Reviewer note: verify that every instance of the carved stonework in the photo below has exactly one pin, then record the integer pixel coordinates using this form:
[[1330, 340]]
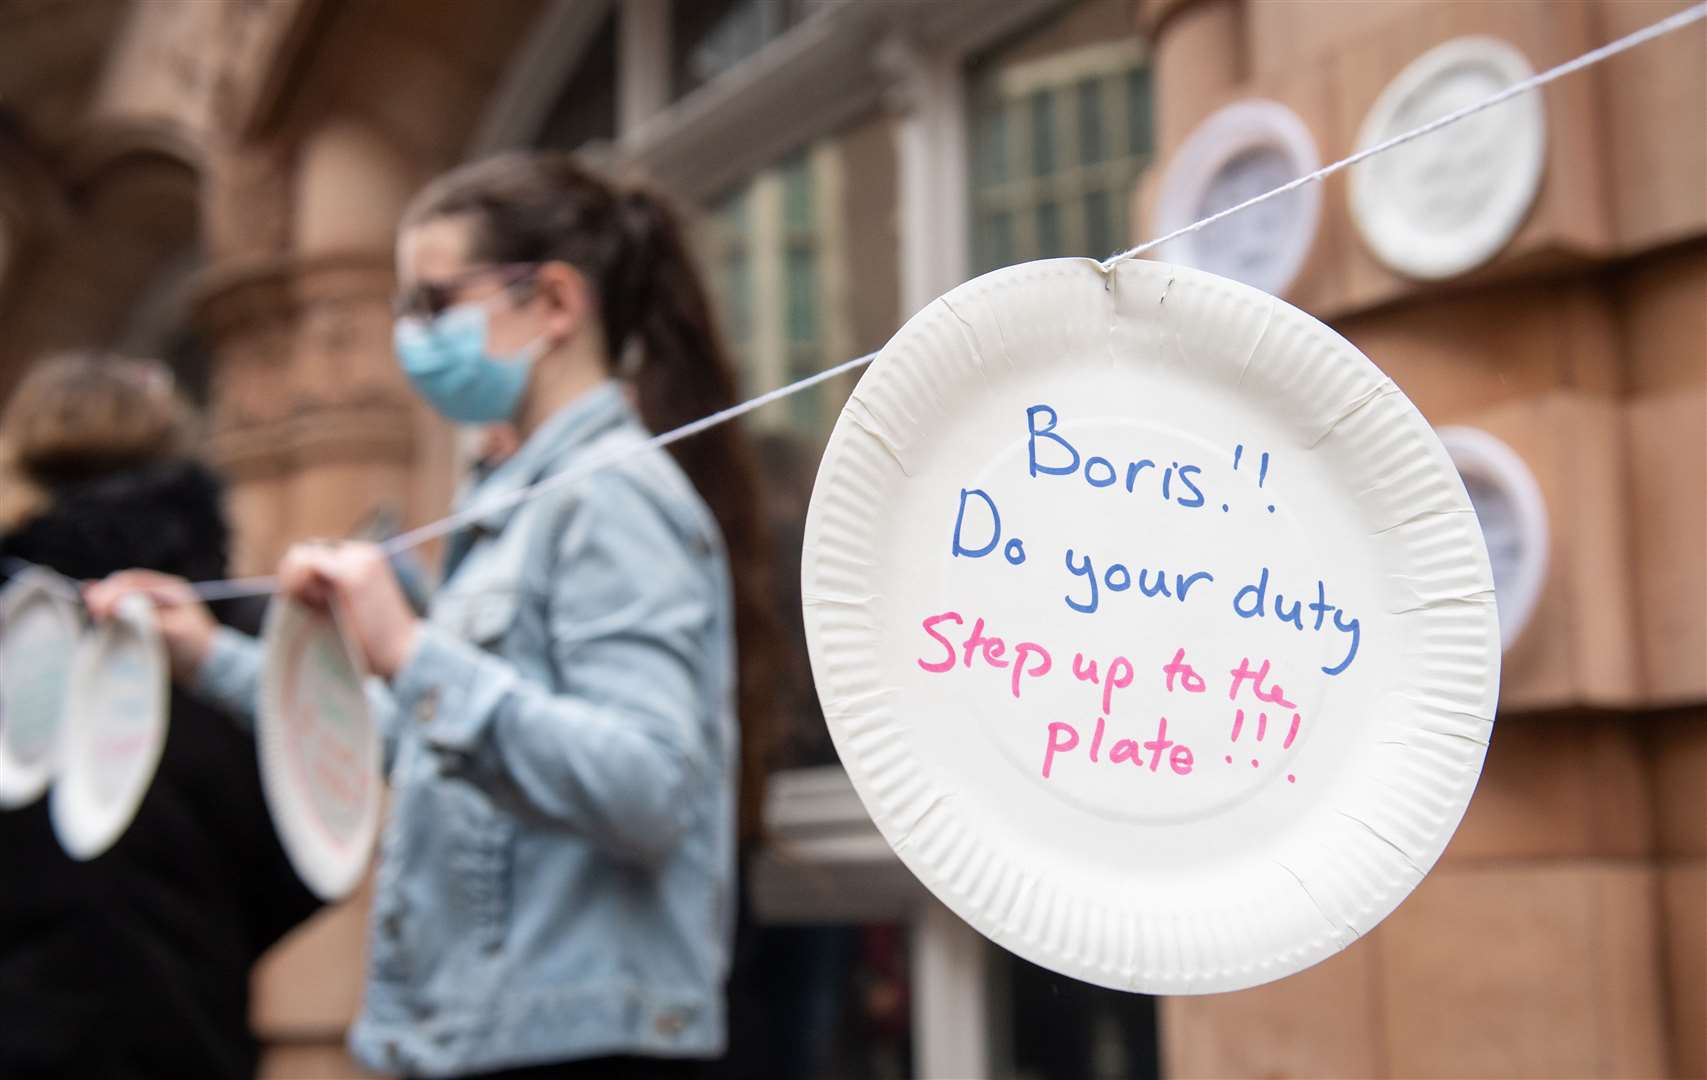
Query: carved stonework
[[163, 68], [343, 342], [32, 200], [246, 209], [373, 432], [258, 42], [303, 369], [246, 316], [252, 377]]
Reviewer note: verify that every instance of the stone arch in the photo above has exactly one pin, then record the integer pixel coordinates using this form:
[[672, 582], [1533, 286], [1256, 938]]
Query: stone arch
[[115, 141], [110, 269], [32, 202]]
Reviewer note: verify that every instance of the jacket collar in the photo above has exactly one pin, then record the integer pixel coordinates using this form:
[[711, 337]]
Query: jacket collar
[[547, 451]]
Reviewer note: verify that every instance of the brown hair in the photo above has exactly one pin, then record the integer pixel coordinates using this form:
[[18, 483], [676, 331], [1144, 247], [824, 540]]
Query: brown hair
[[629, 244], [78, 416]]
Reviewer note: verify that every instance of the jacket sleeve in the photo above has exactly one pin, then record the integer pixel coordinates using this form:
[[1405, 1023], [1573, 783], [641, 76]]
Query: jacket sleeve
[[230, 680], [619, 751], [230, 676]]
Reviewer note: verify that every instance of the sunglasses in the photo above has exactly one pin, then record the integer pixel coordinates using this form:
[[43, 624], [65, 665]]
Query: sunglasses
[[429, 299]]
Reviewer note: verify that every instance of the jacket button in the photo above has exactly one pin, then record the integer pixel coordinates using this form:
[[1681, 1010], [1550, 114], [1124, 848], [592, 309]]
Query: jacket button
[[670, 1023], [391, 924], [426, 706]]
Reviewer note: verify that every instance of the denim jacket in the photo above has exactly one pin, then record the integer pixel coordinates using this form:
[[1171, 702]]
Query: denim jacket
[[556, 876]]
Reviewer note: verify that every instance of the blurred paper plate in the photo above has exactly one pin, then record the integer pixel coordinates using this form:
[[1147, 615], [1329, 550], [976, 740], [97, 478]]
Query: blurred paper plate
[[319, 749], [1031, 784], [1454, 198], [1239, 152], [1513, 515], [115, 730], [38, 633]]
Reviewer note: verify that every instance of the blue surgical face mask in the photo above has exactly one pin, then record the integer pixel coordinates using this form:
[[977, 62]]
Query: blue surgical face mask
[[447, 361]]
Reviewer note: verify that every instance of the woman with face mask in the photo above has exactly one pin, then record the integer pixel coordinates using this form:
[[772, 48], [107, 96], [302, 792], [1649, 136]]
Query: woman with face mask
[[556, 887]]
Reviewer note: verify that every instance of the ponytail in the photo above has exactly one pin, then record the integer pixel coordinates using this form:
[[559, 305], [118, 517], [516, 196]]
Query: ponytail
[[630, 246], [660, 306]]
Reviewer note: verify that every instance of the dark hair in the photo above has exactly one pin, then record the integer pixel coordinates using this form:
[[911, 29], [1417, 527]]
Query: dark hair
[[78, 416], [629, 245]]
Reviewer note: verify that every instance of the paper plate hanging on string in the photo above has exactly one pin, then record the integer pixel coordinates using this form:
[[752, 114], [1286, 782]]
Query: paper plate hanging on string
[[1513, 516], [1241, 151], [115, 730], [38, 632], [319, 749], [1151, 622], [1449, 201]]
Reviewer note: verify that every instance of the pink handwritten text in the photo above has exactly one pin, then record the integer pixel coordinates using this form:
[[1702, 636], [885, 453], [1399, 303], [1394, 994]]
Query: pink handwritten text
[[955, 645], [991, 648], [1064, 737]]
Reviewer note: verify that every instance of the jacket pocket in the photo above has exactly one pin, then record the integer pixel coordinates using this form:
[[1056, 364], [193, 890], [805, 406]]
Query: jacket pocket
[[481, 613], [488, 617], [481, 858], [388, 945]]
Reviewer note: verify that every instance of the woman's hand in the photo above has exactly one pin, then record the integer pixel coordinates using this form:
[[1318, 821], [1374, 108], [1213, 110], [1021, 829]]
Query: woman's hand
[[357, 578], [186, 626]]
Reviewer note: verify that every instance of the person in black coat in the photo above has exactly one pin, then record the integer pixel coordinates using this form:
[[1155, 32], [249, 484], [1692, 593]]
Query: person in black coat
[[135, 963]]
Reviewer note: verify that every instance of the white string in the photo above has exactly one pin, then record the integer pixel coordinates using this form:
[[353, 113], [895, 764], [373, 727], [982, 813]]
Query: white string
[[260, 586], [233, 588], [51, 580], [593, 464], [1593, 56]]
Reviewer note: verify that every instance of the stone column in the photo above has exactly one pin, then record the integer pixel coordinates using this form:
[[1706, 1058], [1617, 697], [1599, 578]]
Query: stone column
[[318, 428], [1196, 56], [356, 432], [247, 315], [243, 308], [312, 421], [352, 432]]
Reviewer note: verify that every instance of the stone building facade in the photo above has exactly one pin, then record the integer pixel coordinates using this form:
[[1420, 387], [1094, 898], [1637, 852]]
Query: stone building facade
[[1561, 933], [218, 182]]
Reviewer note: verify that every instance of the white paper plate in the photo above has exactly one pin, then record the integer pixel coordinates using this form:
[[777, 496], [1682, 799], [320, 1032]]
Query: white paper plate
[[38, 632], [1249, 855], [1513, 516], [1449, 201], [319, 749], [115, 730], [1238, 153]]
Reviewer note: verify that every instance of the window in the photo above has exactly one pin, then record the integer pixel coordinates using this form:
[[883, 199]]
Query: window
[[711, 36], [773, 257], [1058, 142], [732, 274], [1064, 1028], [833, 983], [801, 285]]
